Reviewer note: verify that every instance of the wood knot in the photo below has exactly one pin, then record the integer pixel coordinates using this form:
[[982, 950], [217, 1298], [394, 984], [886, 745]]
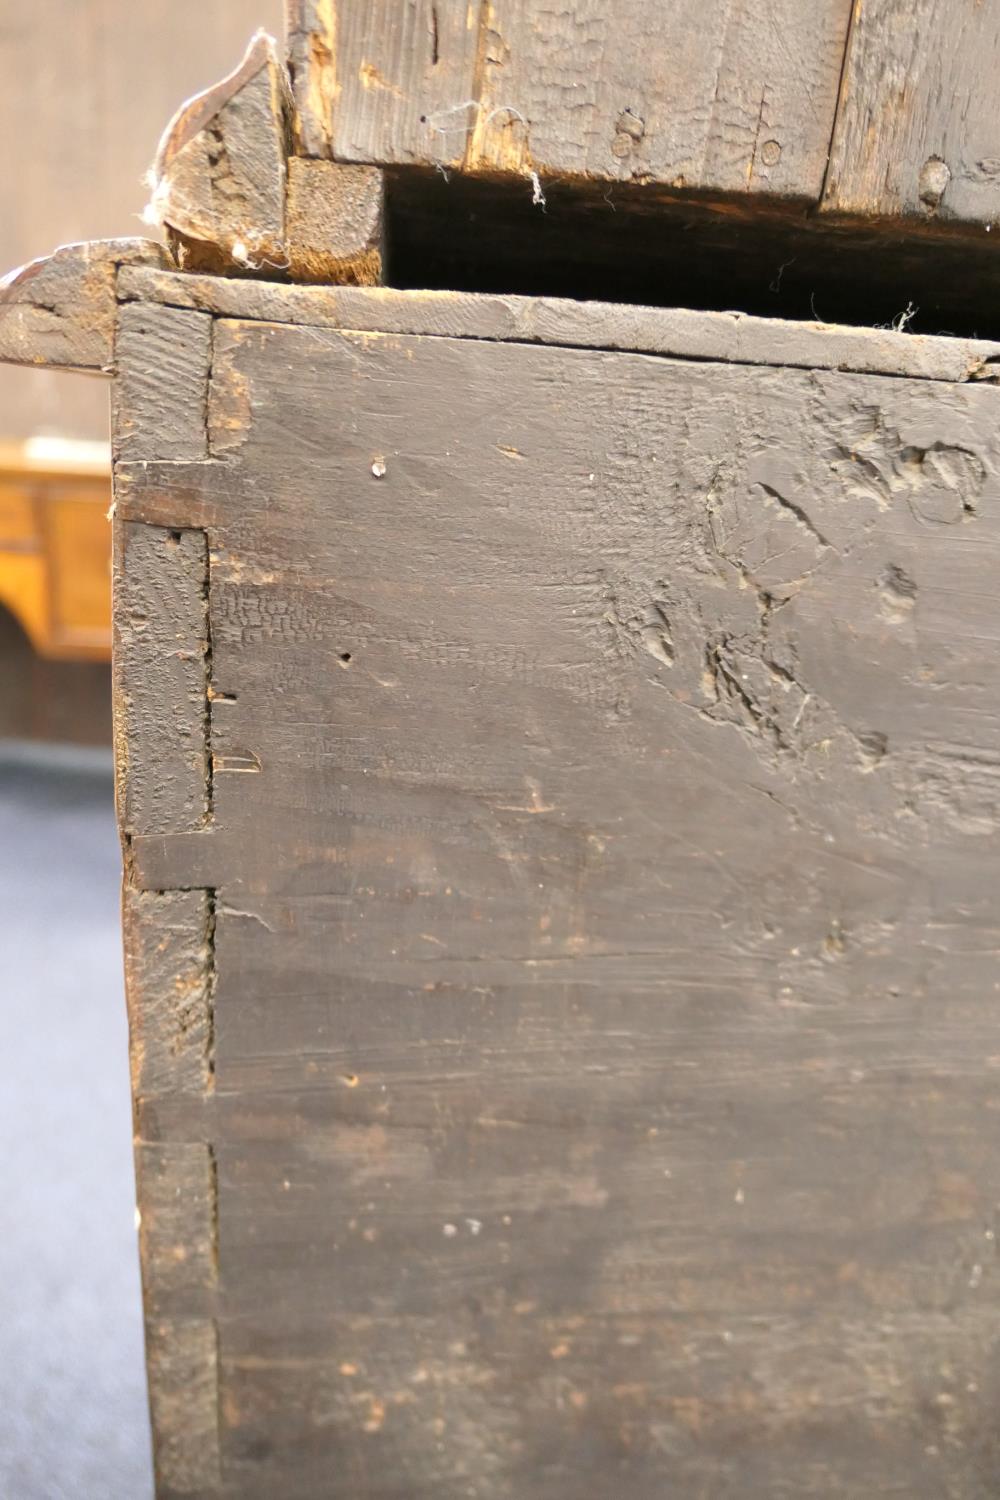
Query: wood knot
[[629, 130], [935, 176]]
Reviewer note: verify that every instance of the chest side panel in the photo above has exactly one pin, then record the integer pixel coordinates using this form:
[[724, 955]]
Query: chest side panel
[[602, 839]]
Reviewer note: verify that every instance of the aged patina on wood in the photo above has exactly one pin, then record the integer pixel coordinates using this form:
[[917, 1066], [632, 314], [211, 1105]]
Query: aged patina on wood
[[558, 780], [739, 99], [601, 858]]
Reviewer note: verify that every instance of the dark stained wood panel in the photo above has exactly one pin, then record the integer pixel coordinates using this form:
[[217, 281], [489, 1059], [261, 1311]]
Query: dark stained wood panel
[[603, 851], [734, 338], [917, 130], [731, 97]]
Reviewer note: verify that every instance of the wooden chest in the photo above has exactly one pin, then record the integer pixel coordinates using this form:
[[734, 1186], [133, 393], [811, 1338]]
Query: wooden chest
[[559, 783]]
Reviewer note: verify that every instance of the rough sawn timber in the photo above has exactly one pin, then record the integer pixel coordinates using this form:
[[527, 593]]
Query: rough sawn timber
[[600, 949], [737, 99], [917, 132], [232, 200], [732, 98], [60, 311], [219, 175], [732, 337]]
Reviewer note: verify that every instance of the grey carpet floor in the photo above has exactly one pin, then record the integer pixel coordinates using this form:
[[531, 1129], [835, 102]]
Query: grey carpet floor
[[73, 1421]]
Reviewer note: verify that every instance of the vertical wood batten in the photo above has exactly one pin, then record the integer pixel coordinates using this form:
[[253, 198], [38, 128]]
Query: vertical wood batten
[[162, 669], [916, 132], [160, 673]]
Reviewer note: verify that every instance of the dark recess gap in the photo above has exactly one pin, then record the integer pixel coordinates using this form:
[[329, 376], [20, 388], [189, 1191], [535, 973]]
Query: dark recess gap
[[612, 243]]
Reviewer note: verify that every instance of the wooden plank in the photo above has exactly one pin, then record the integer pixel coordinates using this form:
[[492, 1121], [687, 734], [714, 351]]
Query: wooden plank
[[368, 50], [169, 967], [310, 37], [160, 673], [182, 1360], [735, 338], [604, 822], [176, 1184], [177, 1232], [60, 311], [159, 401], [722, 97], [915, 132], [181, 861], [334, 222]]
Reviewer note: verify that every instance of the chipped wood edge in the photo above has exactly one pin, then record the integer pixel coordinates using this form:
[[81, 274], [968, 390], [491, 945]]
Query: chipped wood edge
[[676, 333], [234, 199], [311, 33], [218, 178], [197, 112], [59, 311]]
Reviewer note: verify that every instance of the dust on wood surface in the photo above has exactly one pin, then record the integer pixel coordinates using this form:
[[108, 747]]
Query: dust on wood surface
[[736, 338], [219, 175], [558, 790], [233, 200]]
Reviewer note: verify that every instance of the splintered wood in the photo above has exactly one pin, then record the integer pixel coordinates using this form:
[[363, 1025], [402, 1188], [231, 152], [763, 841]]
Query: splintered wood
[[231, 200], [60, 311]]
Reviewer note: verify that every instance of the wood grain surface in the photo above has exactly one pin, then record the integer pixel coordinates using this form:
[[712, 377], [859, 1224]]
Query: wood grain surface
[[601, 838], [60, 311], [218, 182], [734, 338], [730, 97], [917, 133], [737, 99]]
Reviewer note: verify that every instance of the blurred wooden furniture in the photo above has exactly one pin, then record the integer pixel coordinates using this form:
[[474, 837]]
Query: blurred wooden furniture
[[55, 545], [55, 590]]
